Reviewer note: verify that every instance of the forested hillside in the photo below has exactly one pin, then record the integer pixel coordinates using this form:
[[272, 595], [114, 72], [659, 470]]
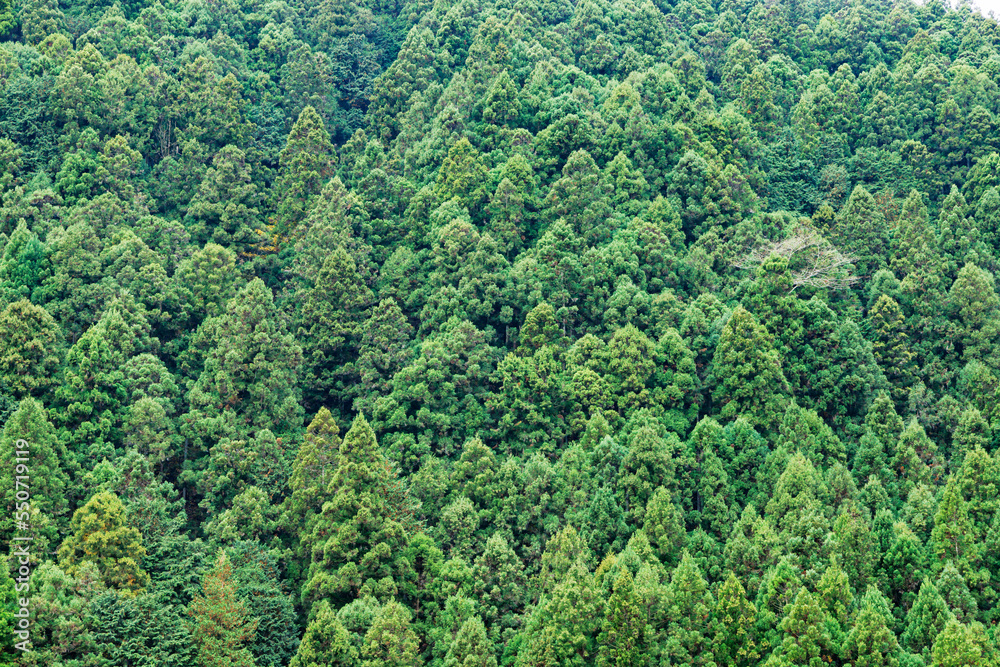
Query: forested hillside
[[470, 333]]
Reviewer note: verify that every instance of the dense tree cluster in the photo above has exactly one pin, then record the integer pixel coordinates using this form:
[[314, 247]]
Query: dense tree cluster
[[526, 333]]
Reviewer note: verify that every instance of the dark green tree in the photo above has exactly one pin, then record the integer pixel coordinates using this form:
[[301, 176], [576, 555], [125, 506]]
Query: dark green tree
[[357, 543], [747, 369], [306, 164], [49, 464]]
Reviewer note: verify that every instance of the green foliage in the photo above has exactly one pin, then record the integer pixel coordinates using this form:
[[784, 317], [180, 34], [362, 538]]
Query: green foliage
[[356, 544], [221, 626], [736, 642], [100, 536], [390, 640], [748, 372], [305, 166], [702, 292], [47, 462], [805, 640], [325, 641], [248, 341]]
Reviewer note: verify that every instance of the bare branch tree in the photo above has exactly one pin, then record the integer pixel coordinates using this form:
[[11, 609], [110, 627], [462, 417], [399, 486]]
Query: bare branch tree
[[813, 261]]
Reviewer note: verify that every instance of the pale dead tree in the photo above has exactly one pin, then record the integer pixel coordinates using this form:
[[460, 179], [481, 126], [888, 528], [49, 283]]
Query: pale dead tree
[[813, 261]]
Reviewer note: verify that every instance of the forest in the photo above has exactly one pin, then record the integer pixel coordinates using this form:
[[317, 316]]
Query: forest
[[499, 333]]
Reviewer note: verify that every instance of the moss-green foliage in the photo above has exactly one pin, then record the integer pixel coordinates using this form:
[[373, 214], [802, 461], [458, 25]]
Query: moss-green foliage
[[501, 333]]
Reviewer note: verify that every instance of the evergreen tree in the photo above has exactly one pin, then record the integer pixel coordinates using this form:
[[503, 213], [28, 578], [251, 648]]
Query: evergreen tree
[[31, 350], [926, 619], [890, 345], [357, 541], [384, 349], [977, 309], [92, 395], [953, 534], [861, 231], [312, 472], [138, 630], [664, 526], [953, 588], [805, 639], [960, 644], [736, 641], [463, 176], [562, 628], [306, 164], [870, 641], [623, 633], [325, 642], [245, 344], [47, 461], [390, 640], [748, 373], [100, 535], [331, 317], [470, 647], [220, 625], [689, 605]]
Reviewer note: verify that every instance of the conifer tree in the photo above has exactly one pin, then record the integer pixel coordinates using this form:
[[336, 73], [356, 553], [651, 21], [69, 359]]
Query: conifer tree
[[664, 526], [960, 644], [31, 349], [871, 643], [623, 633], [470, 647], [748, 373], [580, 198], [48, 461], [953, 588], [92, 396], [805, 640], [562, 628], [245, 345], [914, 244], [562, 551], [384, 349], [391, 641], [509, 217], [306, 165], [100, 535], [312, 471], [206, 282], [220, 625], [226, 205], [331, 317], [689, 604], [463, 175], [977, 309], [736, 641], [953, 534], [861, 231], [357, 542], [926, 619], [499, 583], [890, 345], [325, 642], [903, 567], [835, 598], [23, 264]]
